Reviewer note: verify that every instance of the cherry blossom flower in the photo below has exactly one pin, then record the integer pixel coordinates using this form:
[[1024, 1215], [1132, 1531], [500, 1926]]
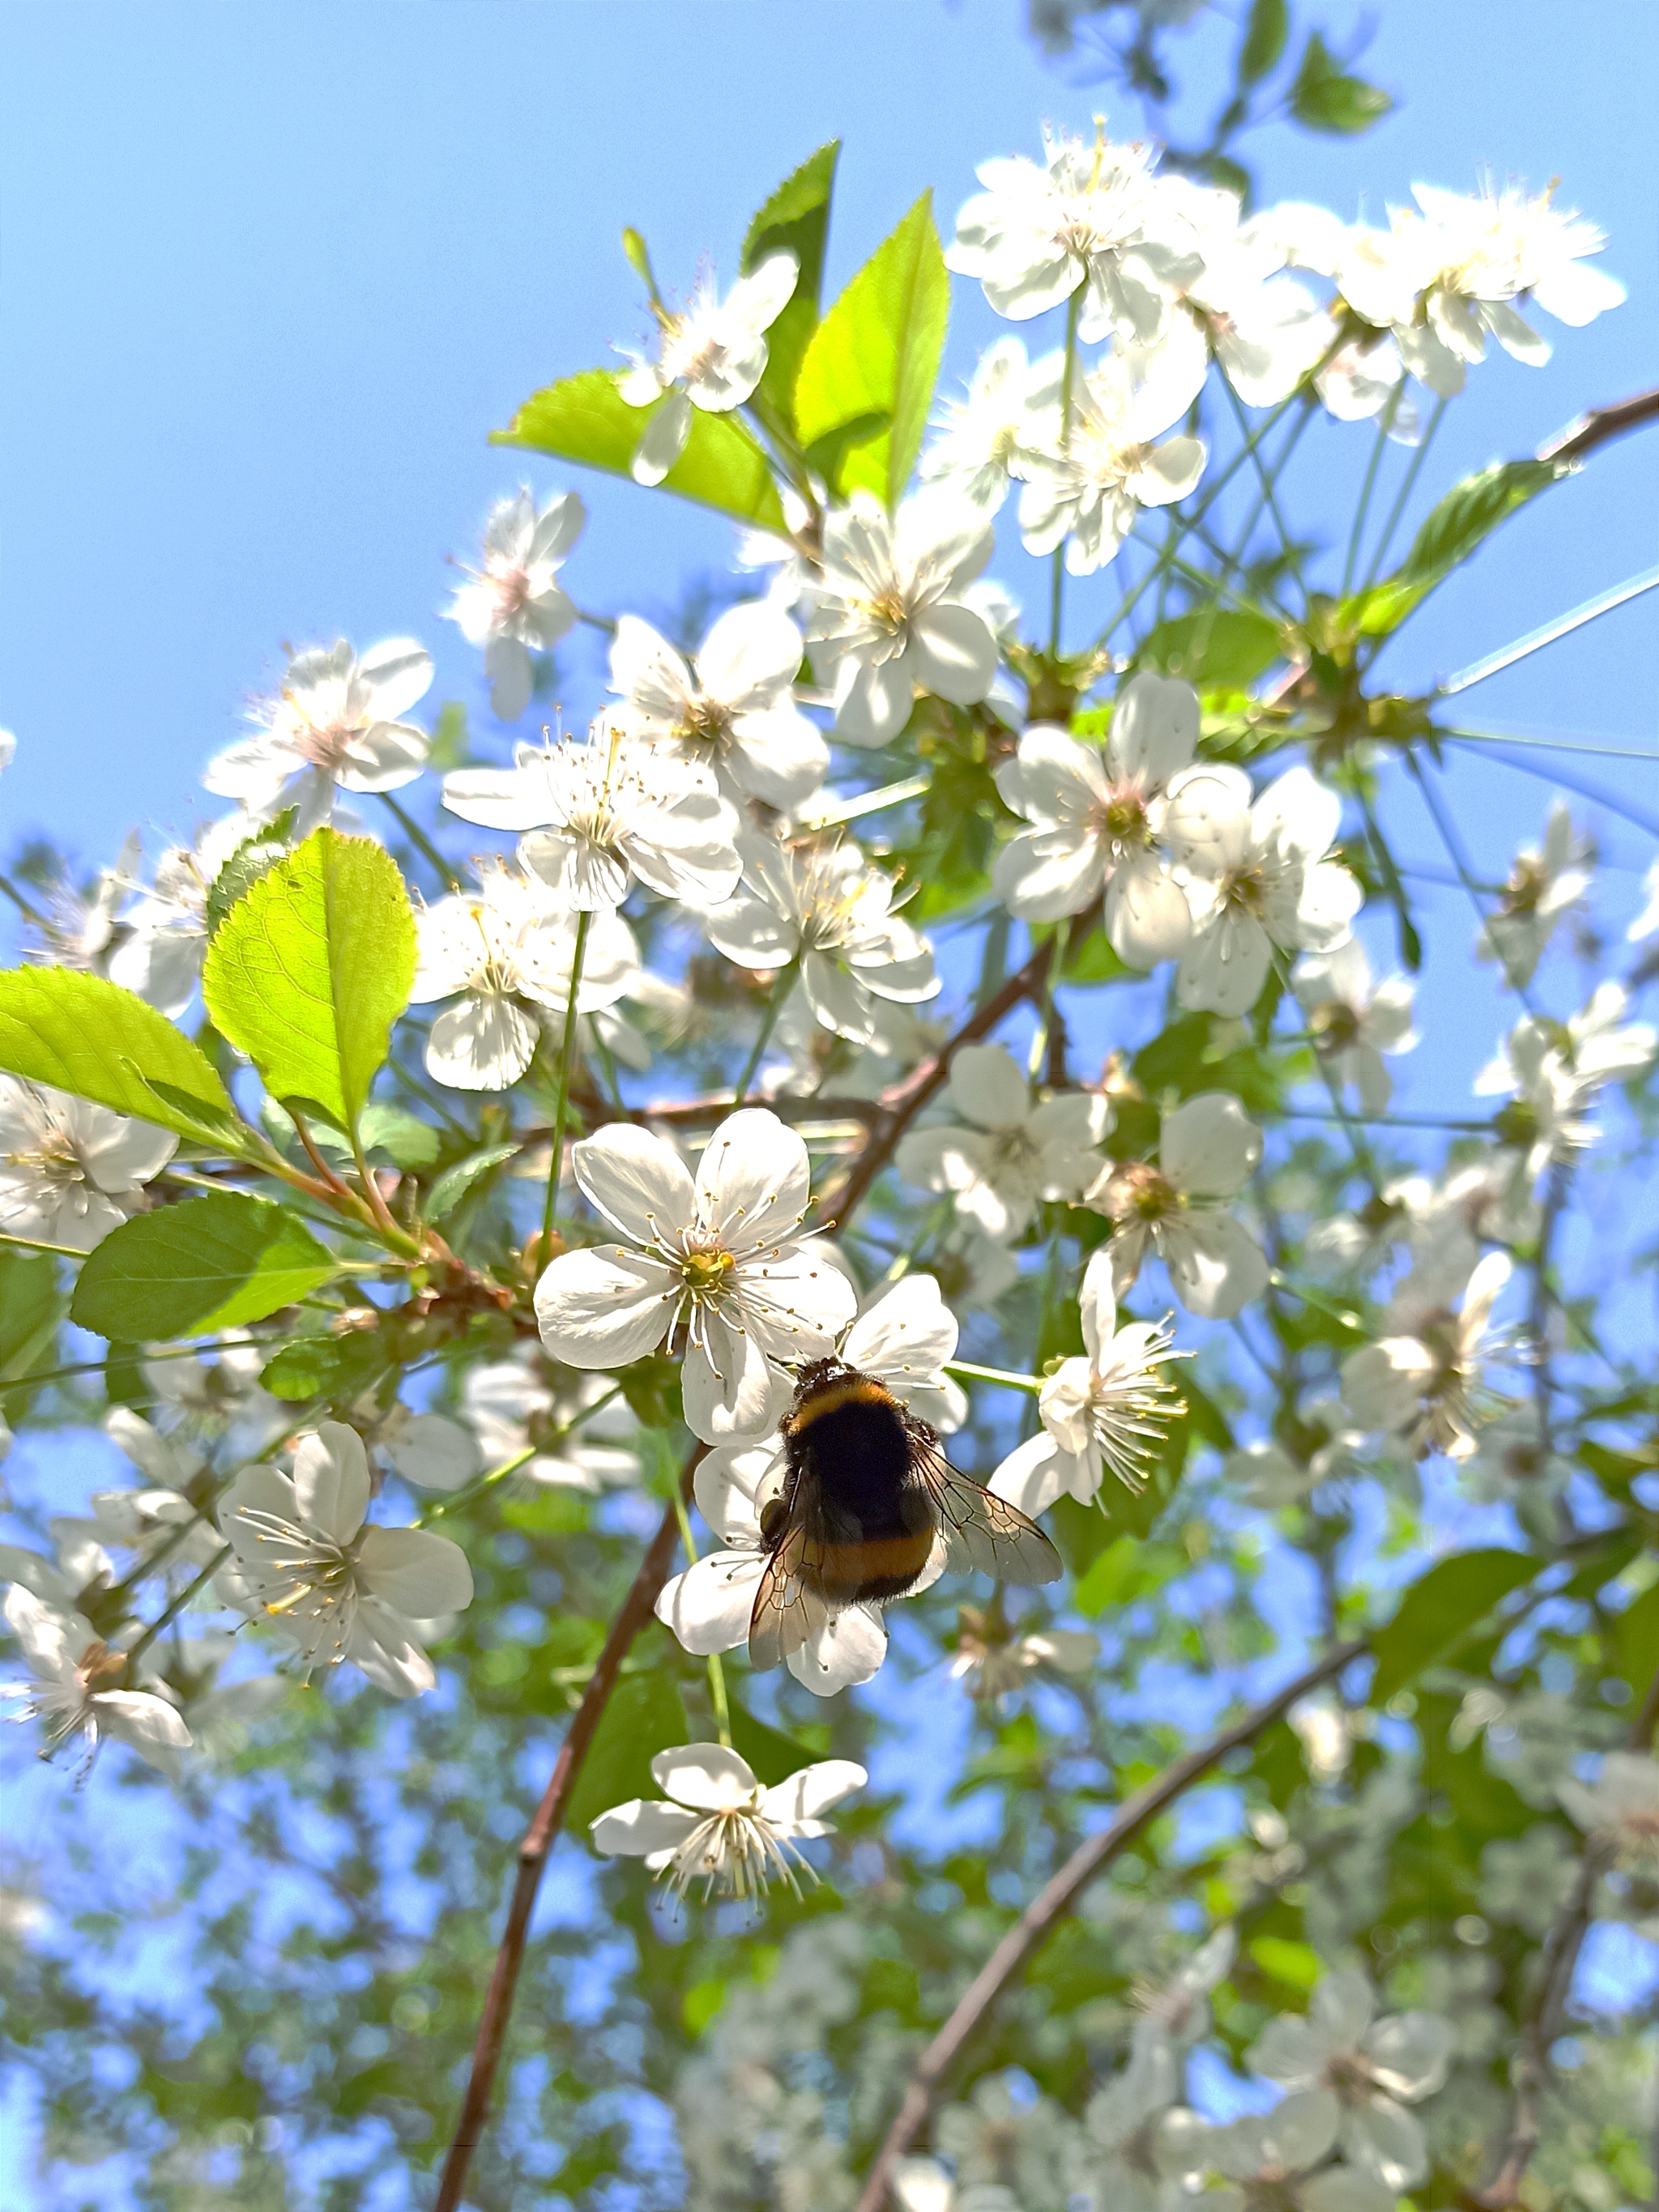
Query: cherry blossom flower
[[1364, 380], [600, 813], [307, 1566], [1103, 466], [889, 618], [710, 356], [1095, 821], [514, 606], [1619, 1808], [984, 439], [1208, 1150], [78, 928], [1544, 885], [506, 951], [733, 711], [1553, 1071], [1270, 1477], [1145, 2151], [1371, 2067], [1268, 330], [991, 1659], [904, 1339], [511, 1406], [716, 1258], [1259, 876], [73, 1691], [335, 723], [71, 1171], [1011, 1154], [923, 2185], [1353, 1025], [825, 907], [165, 931], [1646, 923], [1279, 2158], [1087, 215], [720, 1826], [1106, 1411], [1422, 1384]]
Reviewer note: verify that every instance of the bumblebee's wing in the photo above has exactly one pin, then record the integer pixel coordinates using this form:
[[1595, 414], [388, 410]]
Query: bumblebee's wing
[[788, 1610], [980, 1530]]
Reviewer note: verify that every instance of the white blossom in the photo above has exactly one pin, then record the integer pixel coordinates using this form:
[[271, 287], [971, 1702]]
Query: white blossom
[[985, 440], [1208, 1150], [1364, 380], [1086, 215], [1095, 821], [166, 930], [1259, 876], [1352, 1024], [825, 907], [514, 605], [710, 355], [1619, 1808], [1554, 1071], [1102, 464], [71, 1171], [1544, 885], [720, 1826], [1145, 2151], [506, 952], [335, 723], [78, 928], [1106, 1411], [1372, 2068], [716, 1259], [1279, 2158], [307, 1564], [732, 710], [991, 1659], [889, 618], [72, 1691], [1646, 923], [1422, 1385], [1006, 1154], [1266, 330], [600, 813]]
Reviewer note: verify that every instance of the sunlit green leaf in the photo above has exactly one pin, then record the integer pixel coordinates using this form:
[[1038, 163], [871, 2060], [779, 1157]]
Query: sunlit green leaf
[[458, 1182], [1325, 97], [1219, 648], [1438, 1609], [90, 1036], [645, 1715], [796, 217], [186, 1270], [1265, 31]]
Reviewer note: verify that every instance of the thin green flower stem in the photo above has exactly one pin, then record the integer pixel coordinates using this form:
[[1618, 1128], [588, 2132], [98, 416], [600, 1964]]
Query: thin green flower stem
[[100, 1366], [1235, 559], [782, 985], [1356, 537], [1126, 604], [474, 1491], [1345, 1315], [1388, 1120], [1651, 754], [966, 1371], [1286, 542], [1381, 552], [36, 1244], [867, 802], [421, 842], [1362, 1152], [426, 1093], [1057, 585], [566, 1062], [29, 913], [1228, 561], [171, 1612], [1535, 640], [1208, 587], [717, 1697], [1466, 875]]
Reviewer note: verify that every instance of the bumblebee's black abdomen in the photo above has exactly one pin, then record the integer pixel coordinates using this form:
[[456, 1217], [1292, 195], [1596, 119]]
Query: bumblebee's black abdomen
[[859, 1457], [868, 1527]]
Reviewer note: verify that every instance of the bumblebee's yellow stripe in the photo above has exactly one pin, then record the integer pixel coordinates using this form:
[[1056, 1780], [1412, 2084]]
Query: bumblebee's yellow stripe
[[844, 1567], [856, 1390]]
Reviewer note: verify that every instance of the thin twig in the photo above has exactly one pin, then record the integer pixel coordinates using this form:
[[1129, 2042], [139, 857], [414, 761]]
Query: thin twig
[[635, 1612], [1600, 424], [1055, 1898]]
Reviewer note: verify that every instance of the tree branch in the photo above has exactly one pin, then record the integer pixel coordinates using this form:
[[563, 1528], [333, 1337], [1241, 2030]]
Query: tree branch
[[635, 1612], [1056, 1898], [1600, 425]]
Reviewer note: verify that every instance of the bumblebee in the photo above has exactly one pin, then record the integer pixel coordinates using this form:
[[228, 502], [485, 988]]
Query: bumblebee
[[866, 1492]]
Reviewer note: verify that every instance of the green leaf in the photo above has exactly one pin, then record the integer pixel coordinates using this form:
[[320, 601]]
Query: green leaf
[[586, 418], [186, 1270], [1295, 1965], [250, 860], [1636, 1641], [334, 1367], [1439, 1609], [1218, 648], [1457, 525], [311, 967], [405, 1140], [1126, 1571], [796, 216], [90, 1036], [1264, 36], [645, 1715], [867, 380], [1326, 98], [459, 1181], [773, 1755], [31, 1307]]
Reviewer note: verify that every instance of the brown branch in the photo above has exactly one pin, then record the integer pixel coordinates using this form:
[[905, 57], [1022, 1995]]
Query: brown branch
[[637, 1609], [1600, 425], [1560, 1958], [902, 1103], [1056, 1898]]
